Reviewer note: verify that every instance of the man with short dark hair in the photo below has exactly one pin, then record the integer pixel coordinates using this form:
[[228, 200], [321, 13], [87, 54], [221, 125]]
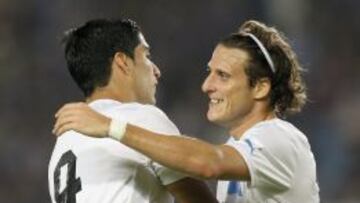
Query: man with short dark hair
[[110, 62], [254, 81]]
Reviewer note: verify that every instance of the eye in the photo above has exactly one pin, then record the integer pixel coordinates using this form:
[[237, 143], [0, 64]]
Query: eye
[[223, 75]]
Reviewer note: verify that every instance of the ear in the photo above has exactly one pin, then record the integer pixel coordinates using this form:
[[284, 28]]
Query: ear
[[122, 62], [262, 88]]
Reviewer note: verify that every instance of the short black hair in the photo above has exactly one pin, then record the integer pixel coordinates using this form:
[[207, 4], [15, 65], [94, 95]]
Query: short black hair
[[90, 48]]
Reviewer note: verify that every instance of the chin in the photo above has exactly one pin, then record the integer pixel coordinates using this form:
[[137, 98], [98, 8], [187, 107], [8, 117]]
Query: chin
[[152, 101], [214, 119], [220, 120], [148, 100]]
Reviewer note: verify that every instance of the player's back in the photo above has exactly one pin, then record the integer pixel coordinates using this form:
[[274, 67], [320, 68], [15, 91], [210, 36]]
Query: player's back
[[90, 170]]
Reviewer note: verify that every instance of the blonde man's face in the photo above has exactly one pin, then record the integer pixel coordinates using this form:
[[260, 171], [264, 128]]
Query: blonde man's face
[[227, 87]]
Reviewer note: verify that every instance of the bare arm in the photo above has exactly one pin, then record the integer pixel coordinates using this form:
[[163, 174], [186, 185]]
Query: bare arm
[[189, 155], [189, 190]]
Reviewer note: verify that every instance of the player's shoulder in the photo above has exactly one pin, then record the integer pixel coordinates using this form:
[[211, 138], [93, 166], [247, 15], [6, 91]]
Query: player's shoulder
[[274, 127], [145, 109], [143, 115], [141, 111], [108, 106], [153, 118], [277, 134]]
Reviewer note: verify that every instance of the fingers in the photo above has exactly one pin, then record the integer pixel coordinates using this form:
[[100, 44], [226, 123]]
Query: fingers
[[64, 113], [69, 107], [81, 118], [66, 127], [66, 116], [62, 123]]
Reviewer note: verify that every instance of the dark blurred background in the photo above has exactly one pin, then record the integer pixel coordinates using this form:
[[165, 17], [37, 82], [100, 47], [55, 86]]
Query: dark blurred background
[[34, 81]]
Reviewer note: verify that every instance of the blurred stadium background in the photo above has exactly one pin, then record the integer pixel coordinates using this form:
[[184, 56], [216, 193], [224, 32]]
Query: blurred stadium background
[[34, 81]]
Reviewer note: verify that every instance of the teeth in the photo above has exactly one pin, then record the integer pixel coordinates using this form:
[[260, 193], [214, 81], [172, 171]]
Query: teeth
[[215, 101]]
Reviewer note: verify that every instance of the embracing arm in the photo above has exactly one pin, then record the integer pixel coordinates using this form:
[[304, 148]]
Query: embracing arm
[[189, 155]]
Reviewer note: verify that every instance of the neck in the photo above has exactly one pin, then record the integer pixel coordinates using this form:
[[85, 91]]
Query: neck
[[250, 120], [108, 92]]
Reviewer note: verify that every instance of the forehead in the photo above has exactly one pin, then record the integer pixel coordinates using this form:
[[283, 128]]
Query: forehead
[[228, 58]]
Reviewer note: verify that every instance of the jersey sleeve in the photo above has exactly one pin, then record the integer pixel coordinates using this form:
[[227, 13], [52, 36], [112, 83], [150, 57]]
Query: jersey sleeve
[[269, 156], [152, 118]]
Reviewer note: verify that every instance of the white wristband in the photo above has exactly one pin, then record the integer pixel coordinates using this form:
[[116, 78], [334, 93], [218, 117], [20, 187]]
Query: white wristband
[[117, 129]]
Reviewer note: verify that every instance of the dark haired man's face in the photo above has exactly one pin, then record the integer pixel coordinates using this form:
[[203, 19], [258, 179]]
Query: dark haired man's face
[[146, 73]]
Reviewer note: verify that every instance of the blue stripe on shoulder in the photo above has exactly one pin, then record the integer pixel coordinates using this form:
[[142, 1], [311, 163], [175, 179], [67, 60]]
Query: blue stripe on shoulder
[[250, 145], [233, 187]]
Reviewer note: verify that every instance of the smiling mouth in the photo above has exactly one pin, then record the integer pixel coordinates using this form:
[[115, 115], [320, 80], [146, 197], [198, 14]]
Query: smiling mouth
[[215, 101]]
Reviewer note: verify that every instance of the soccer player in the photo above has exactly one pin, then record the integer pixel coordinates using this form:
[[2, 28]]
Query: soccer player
[[254, 81], [110, 62]]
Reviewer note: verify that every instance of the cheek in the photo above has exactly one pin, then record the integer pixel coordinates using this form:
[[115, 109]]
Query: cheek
[[141, 83], [147, 80], [144, 74], [239, 102], [144, 85], [147, 73]]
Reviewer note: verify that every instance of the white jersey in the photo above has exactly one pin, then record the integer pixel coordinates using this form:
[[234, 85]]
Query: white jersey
[[91, 170], [281, 165]]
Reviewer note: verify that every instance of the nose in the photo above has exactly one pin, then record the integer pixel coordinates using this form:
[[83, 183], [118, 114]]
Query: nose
[[208, 84], [157, 72]]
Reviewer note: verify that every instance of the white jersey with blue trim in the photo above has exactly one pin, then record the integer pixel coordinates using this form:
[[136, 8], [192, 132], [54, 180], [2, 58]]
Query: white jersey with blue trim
[[91, 170], [281, 165]]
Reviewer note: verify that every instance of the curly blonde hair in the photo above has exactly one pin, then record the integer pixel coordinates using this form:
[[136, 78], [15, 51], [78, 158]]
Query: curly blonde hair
[[288, 91]]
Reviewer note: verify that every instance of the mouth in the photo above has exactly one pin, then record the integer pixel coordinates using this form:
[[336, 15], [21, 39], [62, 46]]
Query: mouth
[[215, 101]]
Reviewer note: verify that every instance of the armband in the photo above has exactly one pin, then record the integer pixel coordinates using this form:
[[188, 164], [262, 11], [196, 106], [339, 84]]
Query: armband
[[117, 129]]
